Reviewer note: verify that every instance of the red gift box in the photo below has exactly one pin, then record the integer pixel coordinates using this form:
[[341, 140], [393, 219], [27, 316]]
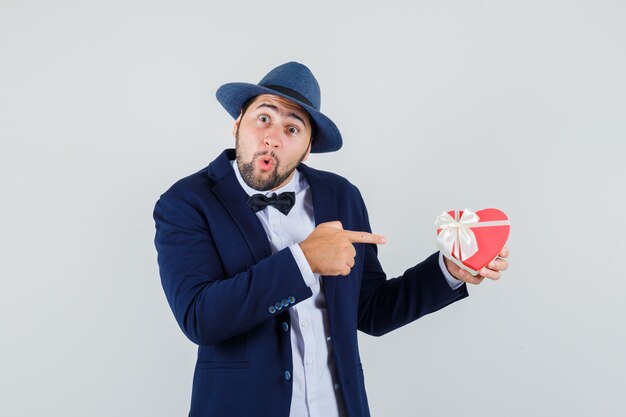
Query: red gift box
[[472, 239]]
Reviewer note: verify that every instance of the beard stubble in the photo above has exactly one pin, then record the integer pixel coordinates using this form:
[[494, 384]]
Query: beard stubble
[[256, 182]]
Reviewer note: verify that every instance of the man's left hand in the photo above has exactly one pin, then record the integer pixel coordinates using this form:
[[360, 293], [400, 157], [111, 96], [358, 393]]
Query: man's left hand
[[491, 271]]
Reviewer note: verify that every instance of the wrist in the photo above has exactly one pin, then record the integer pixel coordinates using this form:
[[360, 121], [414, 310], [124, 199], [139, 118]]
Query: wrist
[[304, 248]]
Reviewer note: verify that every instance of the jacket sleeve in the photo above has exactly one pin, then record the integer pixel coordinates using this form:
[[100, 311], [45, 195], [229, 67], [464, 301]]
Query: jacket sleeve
[[385, 305], [209, 306]]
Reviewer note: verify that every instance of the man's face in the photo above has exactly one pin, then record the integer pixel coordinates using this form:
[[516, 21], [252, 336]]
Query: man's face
[[272, 138]]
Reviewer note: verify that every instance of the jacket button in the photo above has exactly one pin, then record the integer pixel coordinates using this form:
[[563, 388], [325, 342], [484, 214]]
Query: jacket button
[[285, 302], [271, 309], [285, 326], [287, 375], [278, 305], [291, 299]]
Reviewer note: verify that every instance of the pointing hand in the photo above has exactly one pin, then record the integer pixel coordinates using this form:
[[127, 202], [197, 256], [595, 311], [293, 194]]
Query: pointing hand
[[329, 248]]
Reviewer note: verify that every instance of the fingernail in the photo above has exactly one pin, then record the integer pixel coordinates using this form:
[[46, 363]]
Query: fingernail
[[483, 272], [492, 264]]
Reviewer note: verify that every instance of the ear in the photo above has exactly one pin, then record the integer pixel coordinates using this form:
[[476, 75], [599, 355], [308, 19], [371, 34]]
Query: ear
[[236, 125]]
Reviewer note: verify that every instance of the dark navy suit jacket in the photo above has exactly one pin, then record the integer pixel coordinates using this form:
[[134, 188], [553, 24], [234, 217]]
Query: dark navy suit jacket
[[224, 285]]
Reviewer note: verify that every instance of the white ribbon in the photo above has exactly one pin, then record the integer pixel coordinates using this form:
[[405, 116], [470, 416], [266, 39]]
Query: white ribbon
[[456, 237]]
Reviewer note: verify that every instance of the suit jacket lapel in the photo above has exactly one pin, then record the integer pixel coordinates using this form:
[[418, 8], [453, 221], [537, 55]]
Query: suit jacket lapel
[[325, 210], [323, 193], [234, 199]]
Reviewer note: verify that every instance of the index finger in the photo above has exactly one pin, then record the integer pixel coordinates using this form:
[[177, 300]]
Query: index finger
[[364, 237]]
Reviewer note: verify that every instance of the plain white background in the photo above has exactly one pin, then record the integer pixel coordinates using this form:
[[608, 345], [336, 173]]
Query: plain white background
[[442, 104]]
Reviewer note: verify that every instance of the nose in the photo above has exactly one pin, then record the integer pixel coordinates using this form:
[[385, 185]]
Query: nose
[[272, 138]]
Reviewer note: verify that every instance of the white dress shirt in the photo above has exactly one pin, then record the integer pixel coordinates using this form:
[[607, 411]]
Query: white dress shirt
[[314, 378]]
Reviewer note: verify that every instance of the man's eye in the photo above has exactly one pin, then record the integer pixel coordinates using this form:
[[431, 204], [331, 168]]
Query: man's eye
[[293, 129], [264, 119]]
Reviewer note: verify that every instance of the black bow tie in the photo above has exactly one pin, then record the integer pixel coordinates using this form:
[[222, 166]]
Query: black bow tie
[[283, 202]]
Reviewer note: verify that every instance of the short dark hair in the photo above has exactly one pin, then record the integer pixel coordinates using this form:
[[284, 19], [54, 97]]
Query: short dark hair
[[249, 101]]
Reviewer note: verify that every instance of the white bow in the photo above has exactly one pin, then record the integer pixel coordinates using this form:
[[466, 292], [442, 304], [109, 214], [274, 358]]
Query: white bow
[[456, 238]]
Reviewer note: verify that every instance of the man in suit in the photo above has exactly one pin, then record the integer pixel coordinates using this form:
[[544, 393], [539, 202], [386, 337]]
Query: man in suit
[[270, 266]]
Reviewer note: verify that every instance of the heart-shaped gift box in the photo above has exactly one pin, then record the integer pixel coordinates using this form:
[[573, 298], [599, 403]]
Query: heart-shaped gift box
[[472, 239]]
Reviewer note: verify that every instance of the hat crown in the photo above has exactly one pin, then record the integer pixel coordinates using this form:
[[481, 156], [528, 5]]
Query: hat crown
[[295, 80]]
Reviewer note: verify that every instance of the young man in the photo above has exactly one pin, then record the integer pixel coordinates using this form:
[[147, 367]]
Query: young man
[[270, 266]]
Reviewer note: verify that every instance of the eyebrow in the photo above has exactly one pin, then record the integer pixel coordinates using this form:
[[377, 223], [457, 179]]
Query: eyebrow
[[275, 108]]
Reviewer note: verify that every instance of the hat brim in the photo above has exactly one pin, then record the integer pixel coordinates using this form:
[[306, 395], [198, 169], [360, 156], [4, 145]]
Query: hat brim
[[232, 96]]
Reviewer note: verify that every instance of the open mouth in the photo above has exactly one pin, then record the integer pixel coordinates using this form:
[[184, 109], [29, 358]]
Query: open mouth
[[266, 163]]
